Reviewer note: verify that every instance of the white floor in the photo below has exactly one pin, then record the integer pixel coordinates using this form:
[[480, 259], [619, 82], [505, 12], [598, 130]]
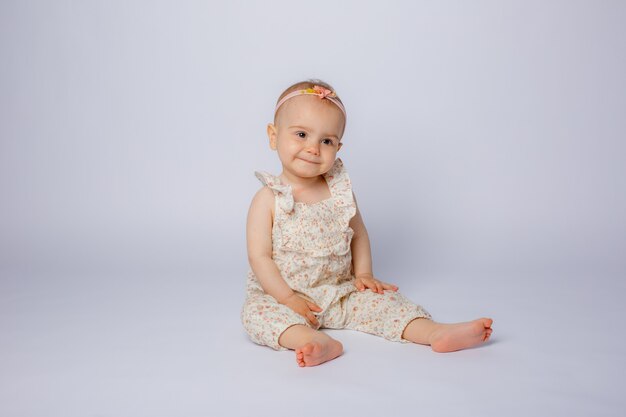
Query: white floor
[[165, 345]]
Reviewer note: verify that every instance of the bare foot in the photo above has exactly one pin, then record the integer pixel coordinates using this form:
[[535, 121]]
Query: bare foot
[[318, 351], [451, 337]]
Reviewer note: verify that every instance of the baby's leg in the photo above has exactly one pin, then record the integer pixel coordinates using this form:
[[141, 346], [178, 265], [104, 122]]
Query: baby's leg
[[312, 346], [395, 317], [448, 337]]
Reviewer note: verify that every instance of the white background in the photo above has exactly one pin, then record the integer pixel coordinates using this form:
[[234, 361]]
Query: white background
[[485, 142]]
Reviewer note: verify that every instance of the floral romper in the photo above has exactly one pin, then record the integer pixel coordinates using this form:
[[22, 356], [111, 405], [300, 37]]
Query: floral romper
[[311, 247]]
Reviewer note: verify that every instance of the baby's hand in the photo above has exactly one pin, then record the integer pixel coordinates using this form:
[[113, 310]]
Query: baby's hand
[[303, 307], [364, 281]]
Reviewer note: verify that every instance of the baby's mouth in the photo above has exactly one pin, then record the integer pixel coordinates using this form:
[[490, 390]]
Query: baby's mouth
[[310, 162]]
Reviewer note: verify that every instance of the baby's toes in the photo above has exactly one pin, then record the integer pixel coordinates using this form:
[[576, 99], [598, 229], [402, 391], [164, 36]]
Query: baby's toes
[[299, 357]]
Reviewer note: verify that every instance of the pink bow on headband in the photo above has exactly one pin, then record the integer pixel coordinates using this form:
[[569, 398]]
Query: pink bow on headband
[[322, 92], [318, 91]]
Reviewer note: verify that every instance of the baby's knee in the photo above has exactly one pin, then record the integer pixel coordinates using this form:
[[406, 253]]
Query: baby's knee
[[265, 320]]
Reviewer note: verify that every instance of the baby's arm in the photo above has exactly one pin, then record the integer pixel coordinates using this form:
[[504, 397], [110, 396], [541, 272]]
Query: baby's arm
[[259, 240], [362, 257]]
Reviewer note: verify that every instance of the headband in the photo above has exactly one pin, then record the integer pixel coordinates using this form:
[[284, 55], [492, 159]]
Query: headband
[[317, 90]]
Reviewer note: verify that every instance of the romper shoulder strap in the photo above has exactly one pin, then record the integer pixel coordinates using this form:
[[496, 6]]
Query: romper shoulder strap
[[282, 192], [341, 187]]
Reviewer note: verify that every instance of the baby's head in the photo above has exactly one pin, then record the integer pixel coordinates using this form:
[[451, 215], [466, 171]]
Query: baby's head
[[307, 88], [309, 122]]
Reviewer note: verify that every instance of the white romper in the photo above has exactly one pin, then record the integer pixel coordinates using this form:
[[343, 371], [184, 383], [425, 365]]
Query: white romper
[[311, 247]]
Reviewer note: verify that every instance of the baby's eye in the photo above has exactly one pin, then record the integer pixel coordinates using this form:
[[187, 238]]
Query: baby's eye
[[301, 134], [328, 142]]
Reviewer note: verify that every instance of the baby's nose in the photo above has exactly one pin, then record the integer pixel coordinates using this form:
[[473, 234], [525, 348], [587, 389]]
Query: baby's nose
[[314, 148]]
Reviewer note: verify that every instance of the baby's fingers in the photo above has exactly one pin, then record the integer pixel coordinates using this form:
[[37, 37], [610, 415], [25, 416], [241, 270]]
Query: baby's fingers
[[359, 285], [389, 286], [312, 319], [314, 306]]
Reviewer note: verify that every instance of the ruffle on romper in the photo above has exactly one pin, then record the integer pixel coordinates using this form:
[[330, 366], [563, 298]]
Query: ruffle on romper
[[331, 236]]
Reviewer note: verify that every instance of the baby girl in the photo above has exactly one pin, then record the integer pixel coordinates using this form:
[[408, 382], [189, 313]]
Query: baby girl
[[309, 250]]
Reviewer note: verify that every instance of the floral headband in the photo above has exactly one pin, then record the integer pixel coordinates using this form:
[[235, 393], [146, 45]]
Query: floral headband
[[317, 90]]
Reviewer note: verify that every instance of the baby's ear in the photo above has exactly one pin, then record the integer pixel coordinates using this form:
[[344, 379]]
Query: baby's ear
[[339, 147], [271, 134]]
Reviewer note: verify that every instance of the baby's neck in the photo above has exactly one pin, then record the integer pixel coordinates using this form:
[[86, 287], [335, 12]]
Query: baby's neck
[[300, 183]]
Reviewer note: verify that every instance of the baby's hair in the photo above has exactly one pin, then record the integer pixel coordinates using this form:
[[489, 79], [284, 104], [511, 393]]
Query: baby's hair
[[301, 85]]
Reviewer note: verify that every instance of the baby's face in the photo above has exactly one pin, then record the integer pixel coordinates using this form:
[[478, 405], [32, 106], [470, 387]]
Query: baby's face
[[307, 135]]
